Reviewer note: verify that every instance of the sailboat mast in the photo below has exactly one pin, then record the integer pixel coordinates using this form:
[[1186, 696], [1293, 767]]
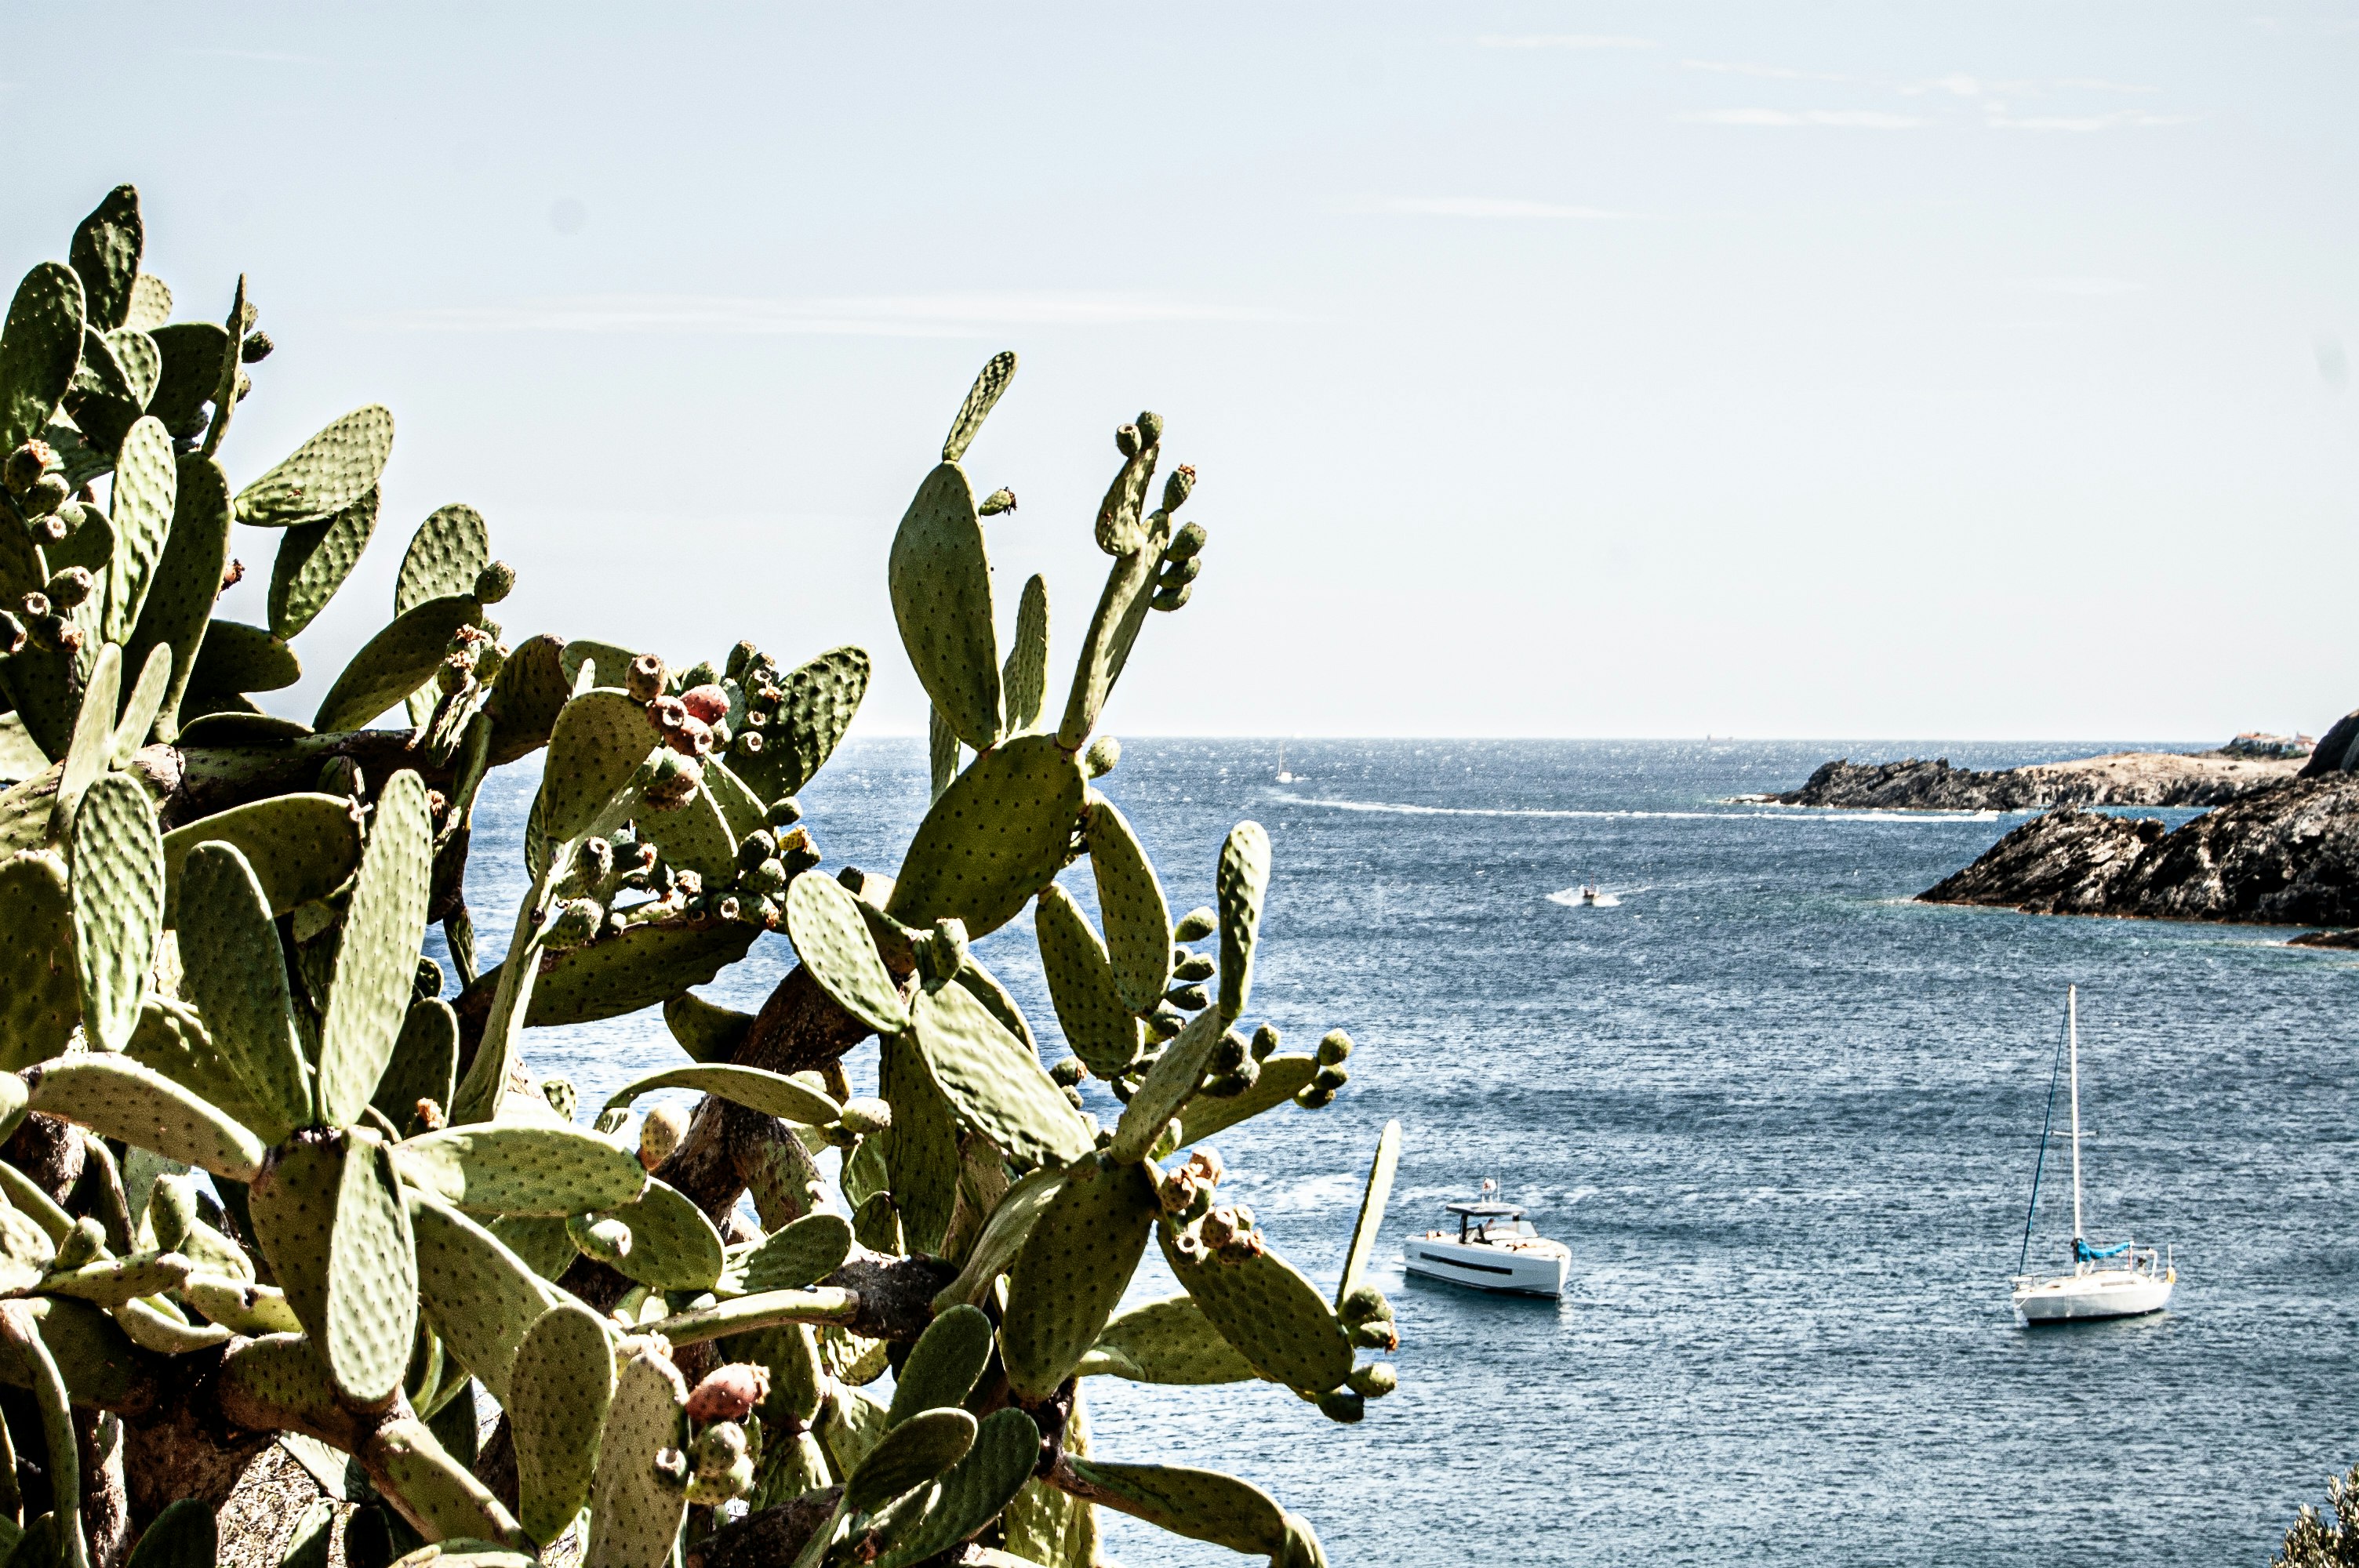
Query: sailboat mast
[[2072, 1026]]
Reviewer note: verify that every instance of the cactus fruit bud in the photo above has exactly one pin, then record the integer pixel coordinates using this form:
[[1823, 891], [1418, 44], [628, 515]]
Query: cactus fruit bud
[[1265, 1042], [1330, 1079], [866, 1117], [942, 952], [1195, 925], [1189, 1247], [756, 847], [1170, 599], [576, 923], [427, 983], [430, 1116], [1103, 755], [785, 812], [1187, 965], [1189, 998], [659, 1133], [1311, 1096], [729, 907], [682, 729], [1186, 543], [342, 775], [27, 464], [494, 582], [47, 494], [69, 587], [255, 349], [728, 1395], [1150, 427], [1333, 1046], [742, 657], [645, 679], [709, 703], [12, 633], [1126, 440], [1164, 1021], [1177, 574], [1177, 486], [593, 863], [1343, 1405], [750, 744], [719, 1446], [85, 1243], [998, 500], [562, 1096], [674, 785], [1068, 1073], [1374, 1380], [1204, 1163], [700, 673], [1072, 1096]]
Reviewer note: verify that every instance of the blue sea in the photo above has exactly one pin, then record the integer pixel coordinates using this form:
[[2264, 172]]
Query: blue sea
[[1786, 1120]]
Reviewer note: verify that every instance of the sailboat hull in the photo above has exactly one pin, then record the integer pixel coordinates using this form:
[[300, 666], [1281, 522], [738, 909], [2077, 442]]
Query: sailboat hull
[[2091, 1297]]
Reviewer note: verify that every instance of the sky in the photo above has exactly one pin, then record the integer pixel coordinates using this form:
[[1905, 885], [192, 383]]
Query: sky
[[1837, 370]]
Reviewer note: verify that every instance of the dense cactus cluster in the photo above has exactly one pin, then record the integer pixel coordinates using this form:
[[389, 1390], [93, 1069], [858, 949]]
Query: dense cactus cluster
[[264, 1181]]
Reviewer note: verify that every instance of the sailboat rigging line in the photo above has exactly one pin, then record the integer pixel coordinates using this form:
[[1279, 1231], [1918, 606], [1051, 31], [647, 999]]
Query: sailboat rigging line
[[2055, 1067]]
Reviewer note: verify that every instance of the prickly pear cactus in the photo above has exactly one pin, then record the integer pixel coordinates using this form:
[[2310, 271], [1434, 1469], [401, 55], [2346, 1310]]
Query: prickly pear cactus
[[343, 1186]]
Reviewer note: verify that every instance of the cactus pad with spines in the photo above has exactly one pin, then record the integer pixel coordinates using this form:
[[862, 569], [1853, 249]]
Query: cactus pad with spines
[[1281, 1080], [1371, 1211], [1104, 1032], [314, 559], [521, 1169], [647, 964], [424, 1065], [325, 475], [450, 549], [236, 975], [757, 1088], [117, 883], [1137, 919], [1071, 1272], [1241, 884], [376, 962], [831, 936], [120, 1099], [816, 704], [38, 352], [798, 1255], [1166, 1341], [235, 658], [146, 485], [93, 737], [673, 1246], [941, 577], [921, 1149], [634, 1509], [558, 1394], [299, 847], [1024, 679], [372, 1304], [395, 663], [991, 1083], [598, 742], [187, 579], [944, 1365], [106, 256], [1167, 1086], [1202, 1504], [140, 709], [39, 992], [1005, 1449], [995, 838], [476, 1293], [1276, 1318], [907, 1456], [989, 384]]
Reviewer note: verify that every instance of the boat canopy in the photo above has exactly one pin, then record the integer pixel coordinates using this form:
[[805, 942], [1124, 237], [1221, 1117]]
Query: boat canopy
[[2084, 1253], [1486, 1210]]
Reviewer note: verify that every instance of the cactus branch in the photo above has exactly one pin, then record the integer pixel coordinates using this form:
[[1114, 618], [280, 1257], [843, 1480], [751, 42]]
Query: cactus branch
[[21, 1331]]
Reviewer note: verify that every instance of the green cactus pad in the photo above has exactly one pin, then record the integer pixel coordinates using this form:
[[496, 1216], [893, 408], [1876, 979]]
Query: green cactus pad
[[105, 256], [706, 1031], [647, 964], [1167, 1086], [1239, 886], [323, 476], [611, 660], [446, 554], [517, 1168], [170, 1040], [328, 1214], [943, 1365], [993, 839], [816, 702], [93, 737], [1276, 1318], [111, 1282], [757, 1088], [1002, 1238], [1107, 641], [1101, 1030], [635, 1509], [183, 1536], [673, 1246], [236, 975], [941, 753], [27, 1252], [1071, 1272], [907, 1456], [477, 1294], [395, 663], [1371, 1211], [941, 578], [39, 992], [1166, 1341], [981, 398], [105, 399], [425, 1064], [1025, 677], [525, 698], [242, 1306], [118, 905], [799, 1255], [192, 355], [314, 559], [1005, 1451], [1282, 1079], [831, 936], [147, 488], [1138, 920], [741, 808], [1202, 1504], [694, 837], [301, 847], [597, 743], [559, 1393], [376, 962], [120, 1099], [38, 352], [991, 1083], [140, 709], [922, 1148], [151, 303], [187, 580], [543, 1243]]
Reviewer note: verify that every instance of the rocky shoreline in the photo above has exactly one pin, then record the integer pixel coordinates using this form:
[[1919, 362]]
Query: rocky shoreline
[[2120, 778], [2284, 854]]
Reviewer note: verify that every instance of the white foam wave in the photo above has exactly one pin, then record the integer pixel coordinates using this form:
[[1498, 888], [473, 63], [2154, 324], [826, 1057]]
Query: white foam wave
[[1572, 898], [1787, 814]]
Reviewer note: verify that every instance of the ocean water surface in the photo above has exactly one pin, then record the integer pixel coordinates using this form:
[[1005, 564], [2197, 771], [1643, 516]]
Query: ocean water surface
[[1784, 1118]]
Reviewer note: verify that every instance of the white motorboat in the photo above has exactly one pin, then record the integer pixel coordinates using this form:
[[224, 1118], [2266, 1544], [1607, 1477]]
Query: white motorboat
[[2120, 1280], [1494, 1248]]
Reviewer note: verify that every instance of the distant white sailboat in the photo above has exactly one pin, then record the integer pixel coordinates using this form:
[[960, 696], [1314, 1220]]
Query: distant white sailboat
[[1282, 776], [2120, 1280]]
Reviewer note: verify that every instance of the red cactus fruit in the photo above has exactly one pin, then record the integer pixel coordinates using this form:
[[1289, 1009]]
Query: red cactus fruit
[[709, 703], [729, 1393]]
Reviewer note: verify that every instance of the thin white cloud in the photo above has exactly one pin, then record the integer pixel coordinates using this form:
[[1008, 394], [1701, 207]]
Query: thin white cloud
[[1463, 207], [895, 316], [1750, 68], [1998, 120], [2081, 287], [1562, 41], [1855, 119]]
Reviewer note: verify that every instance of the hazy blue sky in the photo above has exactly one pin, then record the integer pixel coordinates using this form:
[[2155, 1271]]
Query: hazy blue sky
[[1858, 370]]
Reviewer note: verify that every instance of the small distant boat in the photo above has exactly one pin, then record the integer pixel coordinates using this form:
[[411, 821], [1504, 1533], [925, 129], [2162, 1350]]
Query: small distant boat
[[1495, 1248], [2120, 1280], [1282, 776]]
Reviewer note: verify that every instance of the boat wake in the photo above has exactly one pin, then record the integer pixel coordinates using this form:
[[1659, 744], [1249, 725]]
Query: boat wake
[[1787, 814], [1599, 898]]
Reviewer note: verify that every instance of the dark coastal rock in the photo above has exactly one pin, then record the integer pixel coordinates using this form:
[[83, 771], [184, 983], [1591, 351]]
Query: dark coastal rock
[[1916, 785], [2333, 753], [2285, 856], [2122, 778]]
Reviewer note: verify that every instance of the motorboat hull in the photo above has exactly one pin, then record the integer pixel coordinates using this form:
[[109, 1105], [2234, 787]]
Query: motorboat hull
[[1520, 1271], [2093, 1297]]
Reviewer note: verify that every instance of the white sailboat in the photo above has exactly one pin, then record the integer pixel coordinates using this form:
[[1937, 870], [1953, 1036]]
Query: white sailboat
[[2120, 1280], [1282, 776]]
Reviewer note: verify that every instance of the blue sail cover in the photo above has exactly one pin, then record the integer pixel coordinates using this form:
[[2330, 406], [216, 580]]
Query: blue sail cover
[[2084, 1253]]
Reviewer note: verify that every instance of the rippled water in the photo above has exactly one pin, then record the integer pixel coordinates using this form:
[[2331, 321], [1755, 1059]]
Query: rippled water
[[1784, 1119]]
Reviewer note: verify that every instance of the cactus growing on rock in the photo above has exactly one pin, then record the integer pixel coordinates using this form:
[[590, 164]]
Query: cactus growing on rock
[[344, 1206]]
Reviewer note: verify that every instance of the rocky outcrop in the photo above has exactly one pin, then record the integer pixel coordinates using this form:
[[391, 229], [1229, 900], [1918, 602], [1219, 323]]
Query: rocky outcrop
[[2287, 854], [2120, 778]]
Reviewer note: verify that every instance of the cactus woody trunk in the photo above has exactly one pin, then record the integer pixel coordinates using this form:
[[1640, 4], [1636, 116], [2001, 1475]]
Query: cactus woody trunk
[[346, 1209]]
